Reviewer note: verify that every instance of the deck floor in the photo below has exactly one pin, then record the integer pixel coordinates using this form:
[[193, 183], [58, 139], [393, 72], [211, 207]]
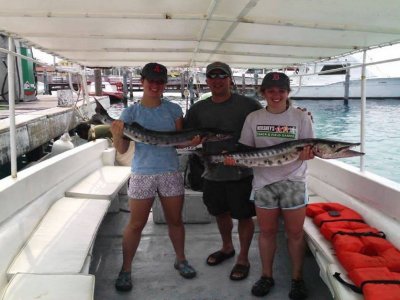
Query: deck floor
[[154, 276]]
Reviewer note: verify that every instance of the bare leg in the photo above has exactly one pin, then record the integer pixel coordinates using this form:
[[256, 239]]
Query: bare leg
[[294, 220], [172, 207], [225, 226], [246, 232], [268, 222], [140, 210]]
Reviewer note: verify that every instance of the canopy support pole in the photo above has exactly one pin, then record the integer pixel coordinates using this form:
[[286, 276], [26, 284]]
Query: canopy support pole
[[11, 103], [363, 108]]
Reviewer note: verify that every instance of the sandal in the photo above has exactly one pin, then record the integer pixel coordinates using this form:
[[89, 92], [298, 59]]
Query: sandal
[[185, 270], [262, 286], [124, 282], [298, 290], [239, 272], [218, 257]]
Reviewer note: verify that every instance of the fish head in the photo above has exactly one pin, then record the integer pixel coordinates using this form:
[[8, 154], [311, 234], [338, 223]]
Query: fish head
[[335, 149], [98, 119], [215, 135], [218, 137]]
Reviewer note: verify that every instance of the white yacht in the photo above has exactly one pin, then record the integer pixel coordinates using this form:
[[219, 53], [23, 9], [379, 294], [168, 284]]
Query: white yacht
[[330, 80]]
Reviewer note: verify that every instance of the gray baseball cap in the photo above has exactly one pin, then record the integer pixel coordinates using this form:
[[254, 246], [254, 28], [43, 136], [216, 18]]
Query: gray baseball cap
[[219, 66]]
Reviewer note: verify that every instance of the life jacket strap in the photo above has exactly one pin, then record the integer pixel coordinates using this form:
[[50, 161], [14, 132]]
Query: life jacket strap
[[357, 289], [379, 234], [341, 220]]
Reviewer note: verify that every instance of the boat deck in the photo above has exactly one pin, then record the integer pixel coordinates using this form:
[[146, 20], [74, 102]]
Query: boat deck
[[154, 276]]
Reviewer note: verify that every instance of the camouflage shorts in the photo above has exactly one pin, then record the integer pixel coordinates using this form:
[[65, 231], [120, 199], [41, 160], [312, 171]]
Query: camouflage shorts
[[146, 186], [284, 194]]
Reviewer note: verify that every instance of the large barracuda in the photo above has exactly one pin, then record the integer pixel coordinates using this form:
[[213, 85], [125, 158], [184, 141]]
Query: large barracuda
[[138, 133], [286, 152]]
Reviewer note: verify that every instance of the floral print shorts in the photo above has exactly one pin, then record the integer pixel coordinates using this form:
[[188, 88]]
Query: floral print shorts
[[165, 184]]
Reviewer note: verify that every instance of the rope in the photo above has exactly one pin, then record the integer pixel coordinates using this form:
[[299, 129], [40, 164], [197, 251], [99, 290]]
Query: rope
[[75, 106]]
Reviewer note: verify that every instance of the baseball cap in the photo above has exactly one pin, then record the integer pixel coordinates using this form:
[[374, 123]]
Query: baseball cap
[[276, 79], [155, 71], [219, 66]]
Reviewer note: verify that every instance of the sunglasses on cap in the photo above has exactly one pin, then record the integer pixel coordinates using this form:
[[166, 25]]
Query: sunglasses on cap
[[220, 76]]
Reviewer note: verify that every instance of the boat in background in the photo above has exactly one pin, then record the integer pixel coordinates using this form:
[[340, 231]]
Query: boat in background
[[327, 80], [108, 89]]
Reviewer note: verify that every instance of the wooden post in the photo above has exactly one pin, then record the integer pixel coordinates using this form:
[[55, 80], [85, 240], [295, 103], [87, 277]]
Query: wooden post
[[97, 83], [183, 84], [243, 84], [255, 83], [125, 86], [347, 87], [130, 85]]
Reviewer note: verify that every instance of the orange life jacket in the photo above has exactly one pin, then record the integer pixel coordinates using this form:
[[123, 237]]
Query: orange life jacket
[[331, 229], [331, 212], [372, 262]]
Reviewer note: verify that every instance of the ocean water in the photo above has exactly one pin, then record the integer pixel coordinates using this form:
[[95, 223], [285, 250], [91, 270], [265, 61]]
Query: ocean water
[[335, 120]]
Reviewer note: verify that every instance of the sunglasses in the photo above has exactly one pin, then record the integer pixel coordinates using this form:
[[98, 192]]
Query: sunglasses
[[220, 76]]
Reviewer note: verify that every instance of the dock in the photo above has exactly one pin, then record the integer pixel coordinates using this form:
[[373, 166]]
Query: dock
[[38, 122], [197, 82]]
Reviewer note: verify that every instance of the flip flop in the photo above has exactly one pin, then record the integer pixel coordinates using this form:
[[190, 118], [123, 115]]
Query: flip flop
[[218, 257], [239, 272]]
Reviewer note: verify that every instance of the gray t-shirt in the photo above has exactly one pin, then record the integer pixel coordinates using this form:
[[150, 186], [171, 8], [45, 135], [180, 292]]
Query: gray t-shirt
[[264, 129], [228, 115]]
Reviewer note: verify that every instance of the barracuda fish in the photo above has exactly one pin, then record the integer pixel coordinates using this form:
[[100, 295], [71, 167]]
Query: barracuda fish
[[286, 152], [138, 133]]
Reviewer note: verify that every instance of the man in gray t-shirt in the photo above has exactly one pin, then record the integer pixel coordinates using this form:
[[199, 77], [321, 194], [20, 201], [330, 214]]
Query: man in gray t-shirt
[[226, 190]]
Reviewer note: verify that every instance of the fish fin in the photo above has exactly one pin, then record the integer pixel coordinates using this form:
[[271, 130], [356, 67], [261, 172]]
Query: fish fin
[[100, 109]]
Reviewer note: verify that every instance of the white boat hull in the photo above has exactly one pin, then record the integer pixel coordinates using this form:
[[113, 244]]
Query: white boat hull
[[376, 88]]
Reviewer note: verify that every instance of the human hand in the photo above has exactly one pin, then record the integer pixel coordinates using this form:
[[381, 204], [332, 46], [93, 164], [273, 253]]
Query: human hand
[[117, 129], [196, 140], [229, 161], [307, 153]]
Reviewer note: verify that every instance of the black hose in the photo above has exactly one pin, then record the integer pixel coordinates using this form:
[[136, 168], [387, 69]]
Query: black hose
[[3, 94]]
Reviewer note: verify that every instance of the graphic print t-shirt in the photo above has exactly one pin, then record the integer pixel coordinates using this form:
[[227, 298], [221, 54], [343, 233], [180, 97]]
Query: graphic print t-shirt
[[264, 129]]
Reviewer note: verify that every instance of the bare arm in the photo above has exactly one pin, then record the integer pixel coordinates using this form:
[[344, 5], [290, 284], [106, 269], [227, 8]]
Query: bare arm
[[120, 144], [194, 142]]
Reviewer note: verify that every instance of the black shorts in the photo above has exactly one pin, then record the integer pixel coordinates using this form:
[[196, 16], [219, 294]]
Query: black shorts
[[229, 196]]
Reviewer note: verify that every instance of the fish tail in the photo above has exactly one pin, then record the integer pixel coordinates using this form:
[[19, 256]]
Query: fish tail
[[206, 160]]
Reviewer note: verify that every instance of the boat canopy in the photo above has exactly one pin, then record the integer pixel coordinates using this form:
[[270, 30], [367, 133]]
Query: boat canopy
[[193, 33]]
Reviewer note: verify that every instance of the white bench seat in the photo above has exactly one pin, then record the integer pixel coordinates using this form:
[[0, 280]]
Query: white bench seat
[[325, 257], [63, 239], [50, 287], [103, 183]]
